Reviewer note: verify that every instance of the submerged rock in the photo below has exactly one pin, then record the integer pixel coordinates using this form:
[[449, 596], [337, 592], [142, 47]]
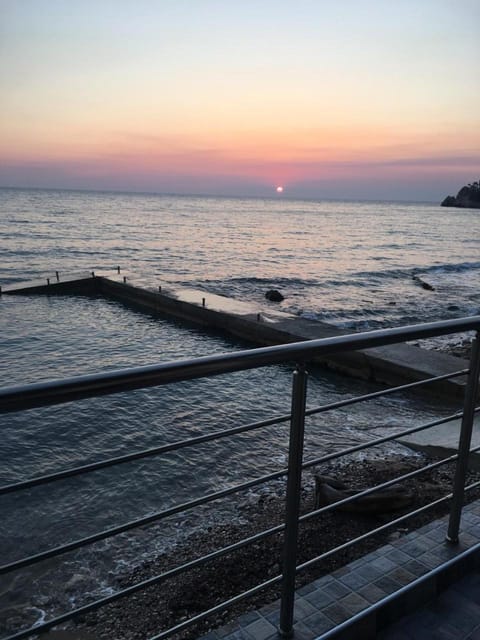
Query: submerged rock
[[274, 295], [423, 284]]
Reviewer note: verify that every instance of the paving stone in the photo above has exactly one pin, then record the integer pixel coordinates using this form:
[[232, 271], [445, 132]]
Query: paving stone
[[417, 547], [339, 573], [337, 612], [353, 580], [354, 603], [359, 562], [274, 617], [247, 618], [438, 534], [302, 632], [228, 628], [308, 588], [372, 593], [323, 581], [370, 572], [469, 539], [387, 584], [446, 551], [303, 608], [270, 608], [429, 560], [383, 564], [320, 598], [261, 629], [337, 589], [319, 622], [401, 575], [415, 567], [398, 556]]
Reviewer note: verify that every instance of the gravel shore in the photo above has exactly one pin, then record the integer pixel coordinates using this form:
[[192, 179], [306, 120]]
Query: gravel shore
[[149, 611]]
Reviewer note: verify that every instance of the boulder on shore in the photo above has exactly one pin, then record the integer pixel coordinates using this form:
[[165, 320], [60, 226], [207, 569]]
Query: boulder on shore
[[467, 198], [274, 296], [330, 490]]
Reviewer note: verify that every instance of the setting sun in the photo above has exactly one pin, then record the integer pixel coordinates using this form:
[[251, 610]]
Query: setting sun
[[279, 189]]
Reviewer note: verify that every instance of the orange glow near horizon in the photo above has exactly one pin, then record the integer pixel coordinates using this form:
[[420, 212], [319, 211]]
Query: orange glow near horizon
[[280, 107]]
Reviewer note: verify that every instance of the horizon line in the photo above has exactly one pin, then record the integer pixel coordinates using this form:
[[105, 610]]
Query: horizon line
[[277, 197]]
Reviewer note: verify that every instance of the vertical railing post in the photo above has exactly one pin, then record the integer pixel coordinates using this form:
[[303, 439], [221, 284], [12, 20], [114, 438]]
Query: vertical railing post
[[294, 482], [471, 393]]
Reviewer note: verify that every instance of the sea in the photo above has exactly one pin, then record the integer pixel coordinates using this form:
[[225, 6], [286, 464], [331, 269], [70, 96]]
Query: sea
[[358, 265]]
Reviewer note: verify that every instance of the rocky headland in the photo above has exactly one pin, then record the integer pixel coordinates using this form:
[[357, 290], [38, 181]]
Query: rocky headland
[[467, 198]]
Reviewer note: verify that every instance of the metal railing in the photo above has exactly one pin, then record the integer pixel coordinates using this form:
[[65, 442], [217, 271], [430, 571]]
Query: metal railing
[[67, 390]]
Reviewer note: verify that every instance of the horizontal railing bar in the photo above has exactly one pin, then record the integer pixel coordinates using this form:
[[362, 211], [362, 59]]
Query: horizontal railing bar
[[383, 485], [95, 466], [45, 626], [82, 542], [372, 532], [384, 392], [255, 538], [179, 444], [384, 527], [382, 440], [224, 605], [149, 582], [339, 630], [94, 385], [194, 503], [219, 607]]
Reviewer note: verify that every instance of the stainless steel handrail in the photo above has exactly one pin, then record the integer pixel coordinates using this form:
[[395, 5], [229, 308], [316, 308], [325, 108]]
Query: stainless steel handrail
[[89, 386], [60, 391], [215, 435]]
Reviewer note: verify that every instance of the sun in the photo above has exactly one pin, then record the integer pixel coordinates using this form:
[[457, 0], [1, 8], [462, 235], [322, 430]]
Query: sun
[[279, 189]]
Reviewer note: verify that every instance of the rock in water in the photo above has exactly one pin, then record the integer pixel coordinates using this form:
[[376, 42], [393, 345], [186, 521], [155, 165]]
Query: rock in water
[[274, 296], [449, 201], [423, 284]]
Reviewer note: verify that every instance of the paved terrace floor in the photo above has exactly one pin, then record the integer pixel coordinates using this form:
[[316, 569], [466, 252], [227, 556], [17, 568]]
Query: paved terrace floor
[[432, 609]]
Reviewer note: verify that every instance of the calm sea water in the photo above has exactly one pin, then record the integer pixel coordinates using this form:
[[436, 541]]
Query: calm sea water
[[344, 262]]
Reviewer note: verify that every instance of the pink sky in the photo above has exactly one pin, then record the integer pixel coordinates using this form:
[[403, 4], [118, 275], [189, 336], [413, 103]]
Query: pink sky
[[369, 101]]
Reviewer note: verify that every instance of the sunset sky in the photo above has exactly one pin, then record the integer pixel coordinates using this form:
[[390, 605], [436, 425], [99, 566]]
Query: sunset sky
[[378, 99]]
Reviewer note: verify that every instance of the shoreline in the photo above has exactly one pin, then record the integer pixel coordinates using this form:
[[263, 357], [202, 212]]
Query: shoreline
[[150, 610]]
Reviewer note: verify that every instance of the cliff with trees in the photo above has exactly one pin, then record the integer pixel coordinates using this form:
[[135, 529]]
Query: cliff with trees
[[468, 197]]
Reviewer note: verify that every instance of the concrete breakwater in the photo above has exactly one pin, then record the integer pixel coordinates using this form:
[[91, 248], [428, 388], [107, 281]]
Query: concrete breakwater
[[394, 364]]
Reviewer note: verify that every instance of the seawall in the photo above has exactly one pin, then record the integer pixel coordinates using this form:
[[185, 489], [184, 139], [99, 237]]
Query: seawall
[[392, 365]]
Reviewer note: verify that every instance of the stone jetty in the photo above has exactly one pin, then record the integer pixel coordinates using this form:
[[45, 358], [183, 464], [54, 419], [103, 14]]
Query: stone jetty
[[392, 365]]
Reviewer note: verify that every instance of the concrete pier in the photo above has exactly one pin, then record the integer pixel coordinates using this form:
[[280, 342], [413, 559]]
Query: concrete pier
[[392, 365]]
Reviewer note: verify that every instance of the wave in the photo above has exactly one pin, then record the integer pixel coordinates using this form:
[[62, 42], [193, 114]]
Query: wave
[[449, 268], [387, 274], [384, 274], [252, 280]]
